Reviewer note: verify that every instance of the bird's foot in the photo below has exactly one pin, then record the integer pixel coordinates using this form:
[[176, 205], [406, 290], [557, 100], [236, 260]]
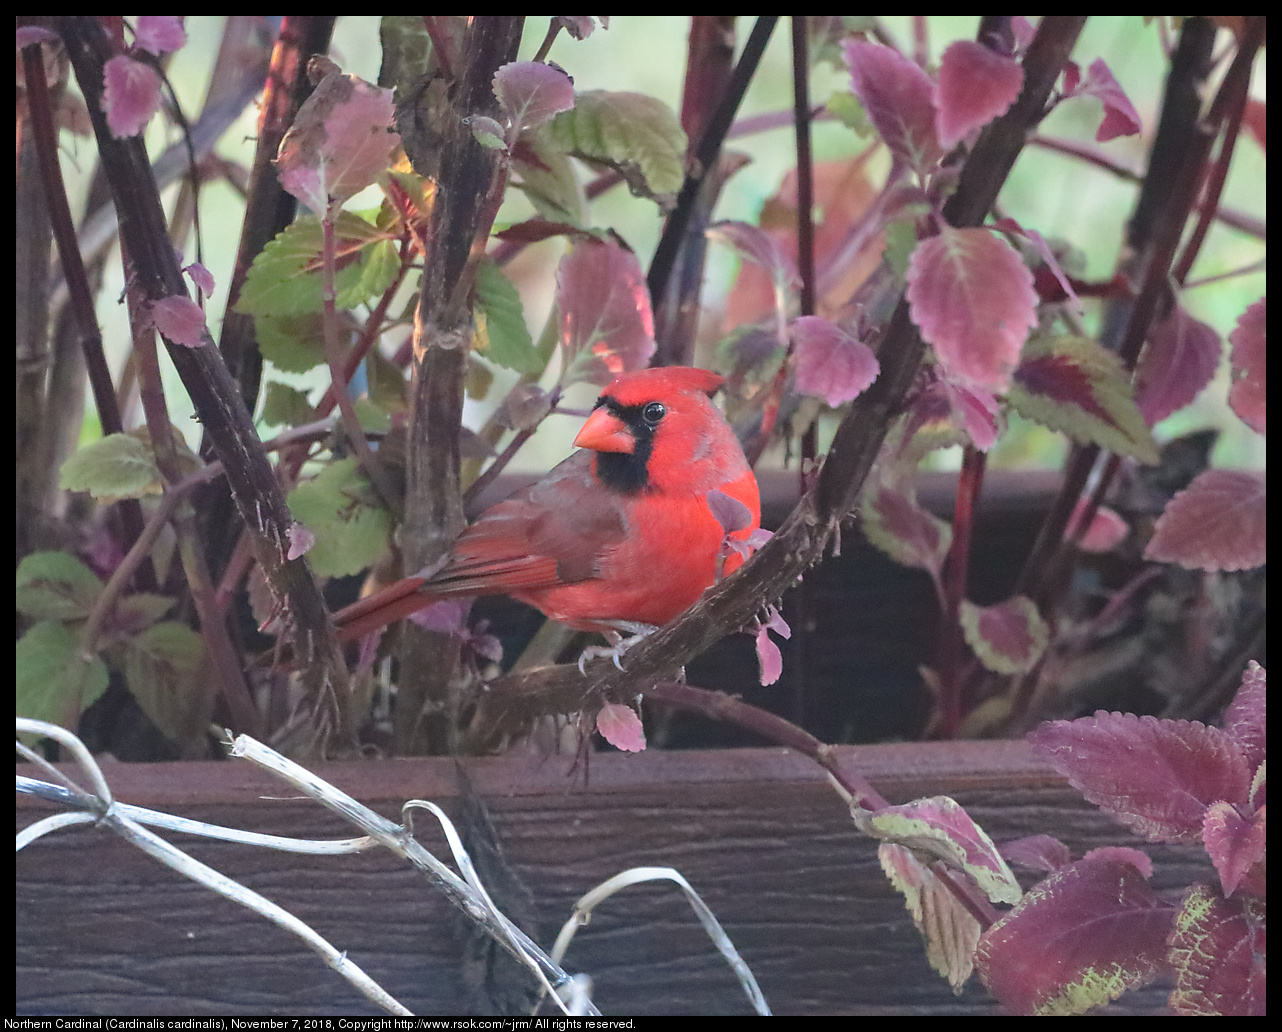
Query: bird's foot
[[618, 643]]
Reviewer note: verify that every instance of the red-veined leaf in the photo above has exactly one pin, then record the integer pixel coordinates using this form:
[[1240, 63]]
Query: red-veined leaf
[[1073, 385], [1079, 938], [1218, 951], [1008, 638]]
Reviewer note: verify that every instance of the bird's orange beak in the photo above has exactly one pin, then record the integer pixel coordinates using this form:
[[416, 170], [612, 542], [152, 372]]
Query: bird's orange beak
[[605, 432]]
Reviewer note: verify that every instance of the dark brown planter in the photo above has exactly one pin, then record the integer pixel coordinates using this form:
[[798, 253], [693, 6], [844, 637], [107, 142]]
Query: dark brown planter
[[104, 929]]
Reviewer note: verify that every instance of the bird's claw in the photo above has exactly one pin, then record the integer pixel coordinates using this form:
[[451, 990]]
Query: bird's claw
[[618, 643]]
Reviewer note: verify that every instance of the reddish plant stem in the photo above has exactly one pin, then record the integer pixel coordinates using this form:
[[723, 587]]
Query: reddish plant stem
[[64, 231], [952, 644]]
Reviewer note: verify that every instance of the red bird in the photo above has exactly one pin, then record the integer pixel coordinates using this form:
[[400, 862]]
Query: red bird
[[617, 538]]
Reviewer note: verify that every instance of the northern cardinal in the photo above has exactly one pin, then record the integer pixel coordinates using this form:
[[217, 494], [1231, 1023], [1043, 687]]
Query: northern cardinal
[[618, 537]]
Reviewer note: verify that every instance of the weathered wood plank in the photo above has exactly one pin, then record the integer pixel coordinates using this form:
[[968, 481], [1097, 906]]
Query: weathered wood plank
[[104, 929]]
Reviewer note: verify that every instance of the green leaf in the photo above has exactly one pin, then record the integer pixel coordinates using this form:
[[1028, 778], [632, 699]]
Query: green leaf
[[387, 386], [637, 134], [285, 278], [505, 339], [292, 343], [118, 466], [56, 586], [549, 181], [379, 268], [1073, 385], [938, 826], [352, 532], [166, 671], [135, 613], [286, 406], [52, 674]]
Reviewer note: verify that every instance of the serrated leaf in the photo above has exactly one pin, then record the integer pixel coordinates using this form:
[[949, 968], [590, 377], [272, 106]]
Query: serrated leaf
[[1178, 361], [941, 828], [621, 727], [531, 92], [286, 406], [1155, 776], [118, 466], [636, 134], [55, 586], [1218, 950], [1079, 938], [379, 268], [897, 95], [507, 340], [285, 278], [546, 175], [973, 298], [1009, 637], [831, 364], [947, 928], [352, 532], [292, 343], [340, 141], [975, 86], [52, 673], [894, 523], [1073, 385], [1247, 395], [135, 613], [165, 670], [1219, 522], [606, 323]]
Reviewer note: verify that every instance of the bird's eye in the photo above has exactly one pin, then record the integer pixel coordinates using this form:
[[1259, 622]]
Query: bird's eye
[[653, 412]]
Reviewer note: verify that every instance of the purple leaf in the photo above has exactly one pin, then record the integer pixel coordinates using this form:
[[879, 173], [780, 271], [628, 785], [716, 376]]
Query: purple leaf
[[1244, 719], [1246, 396], [1037, 852], [607, 326], [531, 92], [731, 513], [830, 363], [300, 540], [130, 95], [1009, 225], [621, 727], [1217, 523], [1155, 776], [1080, 938], [160, 33], [181, 320], [1234, 843], [975, 86], [340, 142], [973, 298], [1179, 360], [898, 97], [1218, 951], [1120, 116]]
